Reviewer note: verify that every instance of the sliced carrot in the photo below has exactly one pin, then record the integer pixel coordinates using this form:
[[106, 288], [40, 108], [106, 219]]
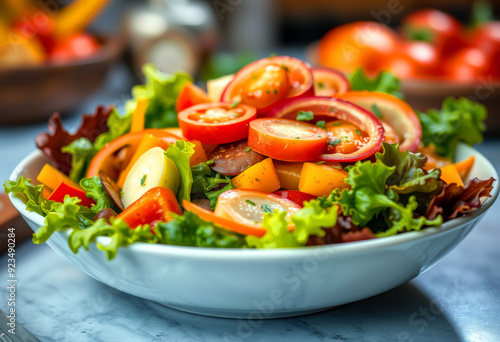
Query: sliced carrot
[[51, 178], [449, 174], [261, 176], [321, 180], [464, 167], [288, 174], [139, 115], [234, 226]]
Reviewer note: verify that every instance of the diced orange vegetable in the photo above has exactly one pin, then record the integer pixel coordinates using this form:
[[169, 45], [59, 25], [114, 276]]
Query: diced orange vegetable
[[464, 167], [289, 174], [139, 115], [449, 174], [64, 189], [321, 180], [199, 155], [261, 176], [148, 142], [51, 178], [156, 205]]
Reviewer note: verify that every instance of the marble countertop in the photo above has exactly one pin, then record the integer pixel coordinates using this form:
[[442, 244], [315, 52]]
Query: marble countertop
[[457, 300]]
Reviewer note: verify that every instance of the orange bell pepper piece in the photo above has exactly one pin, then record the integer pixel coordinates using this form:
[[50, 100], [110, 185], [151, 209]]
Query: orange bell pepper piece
[[321, 180], [261, 176]]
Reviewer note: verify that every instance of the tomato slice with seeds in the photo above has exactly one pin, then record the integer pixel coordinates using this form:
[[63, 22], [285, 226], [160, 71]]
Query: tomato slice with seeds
[[216, 123], [329, 109], [344, 137], [287, 140], [269, 81]]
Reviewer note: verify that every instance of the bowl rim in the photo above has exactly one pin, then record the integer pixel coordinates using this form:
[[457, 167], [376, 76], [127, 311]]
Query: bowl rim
[[277, 253]]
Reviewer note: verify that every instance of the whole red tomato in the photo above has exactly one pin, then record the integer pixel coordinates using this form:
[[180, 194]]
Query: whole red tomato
[[486, 37], [356, 44], [412, 60], [79, 46], [467, 65], [435, 27]]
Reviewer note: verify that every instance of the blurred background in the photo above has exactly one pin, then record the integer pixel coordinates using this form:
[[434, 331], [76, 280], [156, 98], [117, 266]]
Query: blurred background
[[55, 54]]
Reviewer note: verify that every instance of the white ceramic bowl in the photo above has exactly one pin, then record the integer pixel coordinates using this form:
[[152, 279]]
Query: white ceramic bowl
[[256, 284]]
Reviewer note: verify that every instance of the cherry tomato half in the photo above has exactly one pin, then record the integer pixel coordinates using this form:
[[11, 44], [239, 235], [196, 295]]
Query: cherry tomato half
[[216, 123], [326, 108], [344, 137], [393, 112], [287, 140], [268, 81]]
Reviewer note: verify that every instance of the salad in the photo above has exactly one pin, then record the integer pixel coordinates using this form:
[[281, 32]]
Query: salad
[[277, 155]]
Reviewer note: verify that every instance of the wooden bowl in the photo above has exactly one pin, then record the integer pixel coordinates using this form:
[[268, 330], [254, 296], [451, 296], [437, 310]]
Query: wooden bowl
[[35, 93], [426, 94]]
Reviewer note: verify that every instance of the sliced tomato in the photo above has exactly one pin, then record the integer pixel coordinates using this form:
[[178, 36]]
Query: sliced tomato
[[216, 123], [350, 46], [328, 82], [295, 196], [344, 137], [287, 140], [189, 96], [269, 81], [115, 155], [155, 205], [331, 109], [392, 111]]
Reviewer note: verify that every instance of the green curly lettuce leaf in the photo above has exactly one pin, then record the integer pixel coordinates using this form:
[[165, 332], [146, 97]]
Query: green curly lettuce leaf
[[307, 221], [191, 230], [95, 190], [459, 120], [384, 82], [205, 180], [180, 153], [161, 91], [82, 151], [30, 194], [118, 231]]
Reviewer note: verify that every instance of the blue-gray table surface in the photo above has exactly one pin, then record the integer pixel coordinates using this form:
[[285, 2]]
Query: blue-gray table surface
[[457, 300]]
